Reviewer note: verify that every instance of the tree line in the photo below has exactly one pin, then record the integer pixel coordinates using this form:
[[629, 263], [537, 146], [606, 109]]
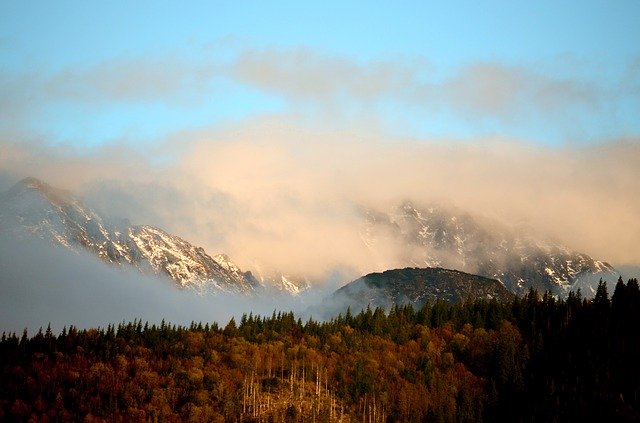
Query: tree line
[[536, 358]]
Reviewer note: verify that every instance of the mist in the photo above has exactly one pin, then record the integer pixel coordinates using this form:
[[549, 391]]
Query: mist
[[43, 284], [277, 195]]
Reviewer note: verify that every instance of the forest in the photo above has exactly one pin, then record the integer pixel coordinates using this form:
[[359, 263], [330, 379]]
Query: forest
[[536, 358]]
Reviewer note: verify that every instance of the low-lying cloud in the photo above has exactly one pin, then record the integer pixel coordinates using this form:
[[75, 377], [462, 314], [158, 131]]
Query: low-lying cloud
[[300, 191], [42, 284], [286, 192], [278, 196]]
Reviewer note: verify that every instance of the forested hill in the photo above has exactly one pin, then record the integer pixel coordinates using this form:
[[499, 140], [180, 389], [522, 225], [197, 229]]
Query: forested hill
[[414, 286], [531, 359]]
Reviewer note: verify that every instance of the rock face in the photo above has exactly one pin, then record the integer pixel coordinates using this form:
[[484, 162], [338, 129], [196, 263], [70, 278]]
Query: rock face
[[32, 207], [415, 286], [441, 237]]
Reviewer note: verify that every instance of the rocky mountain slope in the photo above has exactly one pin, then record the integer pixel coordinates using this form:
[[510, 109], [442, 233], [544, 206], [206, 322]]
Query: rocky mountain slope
[[32, 207], [414, 286], [449, 238]]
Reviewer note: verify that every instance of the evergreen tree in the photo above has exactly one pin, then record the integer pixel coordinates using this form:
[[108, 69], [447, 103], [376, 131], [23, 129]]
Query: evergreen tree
[[618, 299], [231, 328], [601, 300]]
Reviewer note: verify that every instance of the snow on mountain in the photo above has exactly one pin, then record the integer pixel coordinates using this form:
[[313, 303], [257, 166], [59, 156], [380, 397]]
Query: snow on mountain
[[442, 237], [281, 283], [187, 264], [32, 207], [427, 237]]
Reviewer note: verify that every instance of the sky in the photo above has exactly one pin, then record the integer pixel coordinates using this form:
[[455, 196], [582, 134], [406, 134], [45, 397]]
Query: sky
[[254, 129], [87, 74]]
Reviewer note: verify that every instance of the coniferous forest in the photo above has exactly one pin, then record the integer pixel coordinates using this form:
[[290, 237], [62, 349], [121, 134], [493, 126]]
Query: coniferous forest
[[533, 359]]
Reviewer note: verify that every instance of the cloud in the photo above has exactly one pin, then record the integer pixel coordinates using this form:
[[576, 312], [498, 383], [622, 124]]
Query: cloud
[[123, 79], [44, 285], [509, 92], [165, 79], [321, 87], [298, 189], [307, 76], [475, 90], [285, 192], [63, 164], [275, 195], [35, 102]]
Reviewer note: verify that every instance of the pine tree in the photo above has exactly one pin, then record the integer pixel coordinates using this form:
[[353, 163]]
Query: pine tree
[[618, 299], [231, 328], [601, 300]]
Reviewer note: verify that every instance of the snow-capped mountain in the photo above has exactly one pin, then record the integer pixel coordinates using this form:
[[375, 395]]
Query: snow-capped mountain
[[32, 207], [443, 237], [413, 286], [282, 283], [423, 237]]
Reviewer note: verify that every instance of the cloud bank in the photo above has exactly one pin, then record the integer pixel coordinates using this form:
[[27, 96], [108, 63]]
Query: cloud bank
[[278, 196], [44, 285], [284, 191]]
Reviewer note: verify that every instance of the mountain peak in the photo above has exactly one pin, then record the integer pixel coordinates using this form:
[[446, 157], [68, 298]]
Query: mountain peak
[[444, 236], [33, 184], [33, 207]]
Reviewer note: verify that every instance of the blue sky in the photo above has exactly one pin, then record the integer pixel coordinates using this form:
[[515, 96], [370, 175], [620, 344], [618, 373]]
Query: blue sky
[[93, 73]]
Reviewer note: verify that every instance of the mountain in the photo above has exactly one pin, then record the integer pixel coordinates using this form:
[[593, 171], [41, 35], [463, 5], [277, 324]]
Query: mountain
[[32, 207], [414, 286], [284, 284], [445, 237], [423, 237]]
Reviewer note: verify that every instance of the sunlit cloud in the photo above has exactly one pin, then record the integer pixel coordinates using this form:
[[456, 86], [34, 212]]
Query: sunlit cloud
[[284, 190], [278, 196]]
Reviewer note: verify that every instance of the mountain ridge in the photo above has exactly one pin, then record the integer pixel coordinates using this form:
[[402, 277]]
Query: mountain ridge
[[33, 207], [433, 237], [438, 236]]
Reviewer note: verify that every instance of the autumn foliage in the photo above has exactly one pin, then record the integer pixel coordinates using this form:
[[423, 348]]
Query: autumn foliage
[[534, 359]]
